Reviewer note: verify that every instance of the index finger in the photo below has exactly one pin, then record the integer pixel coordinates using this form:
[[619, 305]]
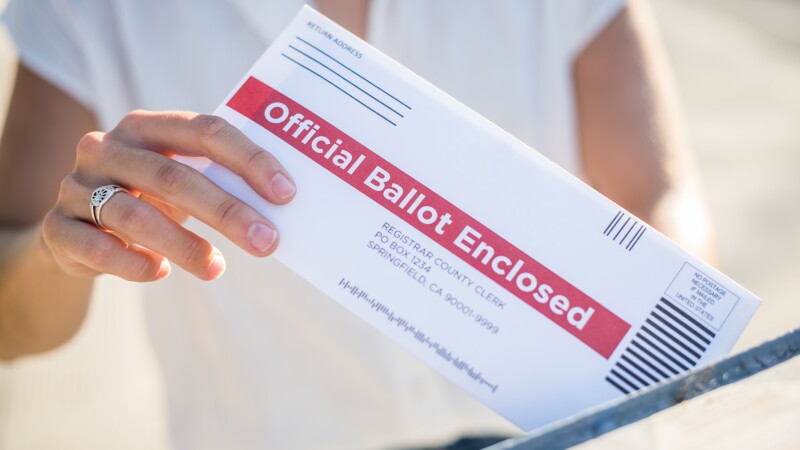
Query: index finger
[[193, 134]]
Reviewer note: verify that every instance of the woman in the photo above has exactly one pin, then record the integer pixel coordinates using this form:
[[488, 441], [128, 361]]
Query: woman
[[580, 81]]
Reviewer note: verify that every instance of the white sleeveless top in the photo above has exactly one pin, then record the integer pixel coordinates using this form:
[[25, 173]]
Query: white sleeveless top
[[259, 358]]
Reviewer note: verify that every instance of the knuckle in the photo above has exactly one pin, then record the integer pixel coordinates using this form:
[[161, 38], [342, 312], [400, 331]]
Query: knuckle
[[54, 234], [211, 126], [89, 145], [99, 251], [135, 217], [228, 210], [70, 188], [195, 251], [65, 185], [141, 270], [133, 119], [68, 184], [93, 139], [173, 176], [50, 227], [259, 159]]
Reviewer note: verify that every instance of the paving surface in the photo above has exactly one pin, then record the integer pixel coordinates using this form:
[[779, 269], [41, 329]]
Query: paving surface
[[737, 63]]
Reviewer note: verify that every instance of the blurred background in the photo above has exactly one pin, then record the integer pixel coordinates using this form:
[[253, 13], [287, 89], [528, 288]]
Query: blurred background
[[737, 65]]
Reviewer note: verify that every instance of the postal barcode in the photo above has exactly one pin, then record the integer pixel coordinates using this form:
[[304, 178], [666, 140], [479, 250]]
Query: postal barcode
[[669, 342], [420, 336], [625, 229]]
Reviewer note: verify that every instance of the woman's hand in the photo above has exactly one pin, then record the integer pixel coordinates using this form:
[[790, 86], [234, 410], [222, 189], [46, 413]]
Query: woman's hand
[[136, 155]]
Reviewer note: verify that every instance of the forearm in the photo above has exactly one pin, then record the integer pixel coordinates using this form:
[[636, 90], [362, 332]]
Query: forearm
[[41, 307], [682, 215], [633, 144]]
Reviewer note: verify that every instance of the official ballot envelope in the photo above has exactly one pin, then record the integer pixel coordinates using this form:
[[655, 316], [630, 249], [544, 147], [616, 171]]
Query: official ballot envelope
[[500, 270]]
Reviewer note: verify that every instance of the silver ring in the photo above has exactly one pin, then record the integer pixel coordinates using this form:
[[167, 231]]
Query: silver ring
[[99, 198]]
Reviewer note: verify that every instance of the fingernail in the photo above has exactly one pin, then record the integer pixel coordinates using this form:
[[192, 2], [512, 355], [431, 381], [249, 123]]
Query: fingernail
[[164, 270], [261, 236], [217, 267], [282, 186]]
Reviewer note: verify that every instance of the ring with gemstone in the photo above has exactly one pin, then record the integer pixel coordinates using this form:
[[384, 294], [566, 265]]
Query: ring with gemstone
[[99, 197]]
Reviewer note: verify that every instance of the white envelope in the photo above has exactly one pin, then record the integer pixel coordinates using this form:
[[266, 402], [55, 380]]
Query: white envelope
[[505, 273]]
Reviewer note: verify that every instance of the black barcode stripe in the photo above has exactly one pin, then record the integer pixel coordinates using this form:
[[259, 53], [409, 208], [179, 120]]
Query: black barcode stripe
[[688, 317], [674, 339], [635, 238], [622, 228], [628, 232], [639, 368], [656, 358], [676, 330], [668, 342], [648, 363], [630, 372], [616, 385], [663, 353], [677, 320], [671, 348], [610, 224], [661, 350], [635, 241], [624, 380], [615, 222]]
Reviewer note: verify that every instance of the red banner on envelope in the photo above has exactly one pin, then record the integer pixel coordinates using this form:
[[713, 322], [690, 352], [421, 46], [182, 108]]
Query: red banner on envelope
[[463, 236]]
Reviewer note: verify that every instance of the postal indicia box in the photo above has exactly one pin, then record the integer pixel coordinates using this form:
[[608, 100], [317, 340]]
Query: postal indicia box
[[506, 274]]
